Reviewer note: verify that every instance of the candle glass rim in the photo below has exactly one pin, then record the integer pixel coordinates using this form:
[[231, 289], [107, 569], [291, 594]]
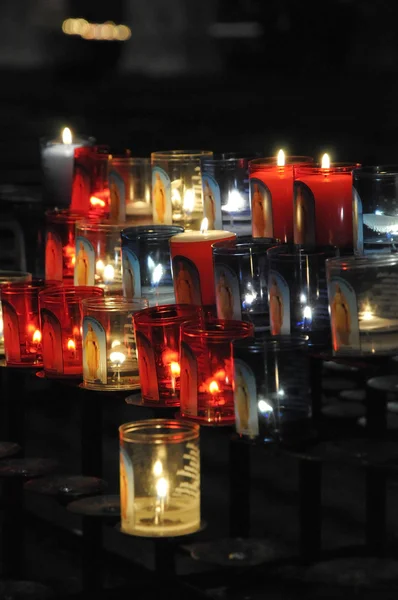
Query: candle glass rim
[[244, 246], [14, 276], [34, 286], [371, 172], [295, 251], [346, 263], [271, 161], [65, 215], [217, 329], [275, 343], [145, 316], [70, 292], [131, 161], [114, 304], [317, 169], [228, 159], [229, 235], [110, 227], [179, 155], [187, 431], [151, 232], [46, 141]]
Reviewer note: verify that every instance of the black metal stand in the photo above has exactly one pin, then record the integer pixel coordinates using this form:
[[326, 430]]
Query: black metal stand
[[92, 555], [310, 508], [165, 565], [91, 432], [13, 530], [239, 487]]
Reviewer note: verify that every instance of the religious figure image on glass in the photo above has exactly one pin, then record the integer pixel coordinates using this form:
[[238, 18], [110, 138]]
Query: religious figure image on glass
[[186, 281], [94, 351], [261, 207]]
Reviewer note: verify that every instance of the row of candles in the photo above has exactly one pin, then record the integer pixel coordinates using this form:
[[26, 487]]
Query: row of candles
[[290, 198]]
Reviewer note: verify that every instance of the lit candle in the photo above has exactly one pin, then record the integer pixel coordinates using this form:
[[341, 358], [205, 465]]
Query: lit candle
[[72, 348], [57, 163], [323, 204], [34, 345], [175, 371], [271, 195], [192, 261]]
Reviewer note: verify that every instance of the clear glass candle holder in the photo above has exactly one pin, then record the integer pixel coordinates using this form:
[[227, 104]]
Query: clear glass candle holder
[[109, 346], [57, 160], [98, 256], [146, 261], [21, 322], [157, 333], [134, 176], [61, 318], [159, 478], [272, 389], [241, 280], [225, 184], [323, 205], [271, 196], [362, 303], [177, 187], [60, 244], [297, 291], [375, 209], [206, 379], [90, 188], [10, 277]]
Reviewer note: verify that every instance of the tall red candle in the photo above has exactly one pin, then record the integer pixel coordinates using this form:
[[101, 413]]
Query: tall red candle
[[271, 195], [323, 205], [192, 261]]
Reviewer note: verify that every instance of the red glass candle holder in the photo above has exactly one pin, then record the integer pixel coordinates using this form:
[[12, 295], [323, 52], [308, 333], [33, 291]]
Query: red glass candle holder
[[61, 319], [21, 319], [60, 254], [206, 392], [323, 205], [157, 332], [192, 262], [271, 196], [90, 189]]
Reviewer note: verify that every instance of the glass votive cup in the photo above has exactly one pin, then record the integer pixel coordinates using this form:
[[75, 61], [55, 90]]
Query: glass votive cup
[[21, 322], [375, 209], [146, 260], [241, 280], [159, 478], [323, 205], [57, 160], [272, 388], [60, 244], [10, 277], [297, 292], [109, 346], [362, 303], [157, 334], [177, 187], [98, 256], [271, 196], [206, 370], [225, 184], [135, 183], [61, 318], [90, 188]]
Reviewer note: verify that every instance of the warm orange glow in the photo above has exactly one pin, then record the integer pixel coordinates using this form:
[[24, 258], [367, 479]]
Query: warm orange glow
[[76, 331], [31, 328], [220, 374], [71, 345], [325, 163], [66, 136], [96, 31], [36, 337], [69, 252], [213, 387], [204, 226], [169, 356], [175, 369], [280, 159], [94, 201]]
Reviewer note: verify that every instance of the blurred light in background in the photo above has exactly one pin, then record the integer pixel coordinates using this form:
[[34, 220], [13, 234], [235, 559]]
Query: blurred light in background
[[96, 31]]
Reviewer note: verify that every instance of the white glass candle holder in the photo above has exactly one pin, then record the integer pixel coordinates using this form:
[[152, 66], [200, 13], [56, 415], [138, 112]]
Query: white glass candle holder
[[159, 478], [109, 347], [99, 256], [177, 195], [363, 304], [133, 176]]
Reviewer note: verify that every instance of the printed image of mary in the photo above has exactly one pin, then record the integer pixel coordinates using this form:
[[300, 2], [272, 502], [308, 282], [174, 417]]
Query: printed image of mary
[[147, 368], [340, 318], [276, 308], [51, 342], [94, 352], [186, 281]]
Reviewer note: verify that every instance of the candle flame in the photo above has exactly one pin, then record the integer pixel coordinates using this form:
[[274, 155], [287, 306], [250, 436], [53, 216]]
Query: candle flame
[[325, 163], [66, 136], [115, 343], [100, 265], [94, 201], [117, 358], [204, 225], [175, 369], [36, 337], [213, 387], [189, 201], [157, 274], [162, 487], [158, 468], [71, 345], [109, 273], [280, 159]]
